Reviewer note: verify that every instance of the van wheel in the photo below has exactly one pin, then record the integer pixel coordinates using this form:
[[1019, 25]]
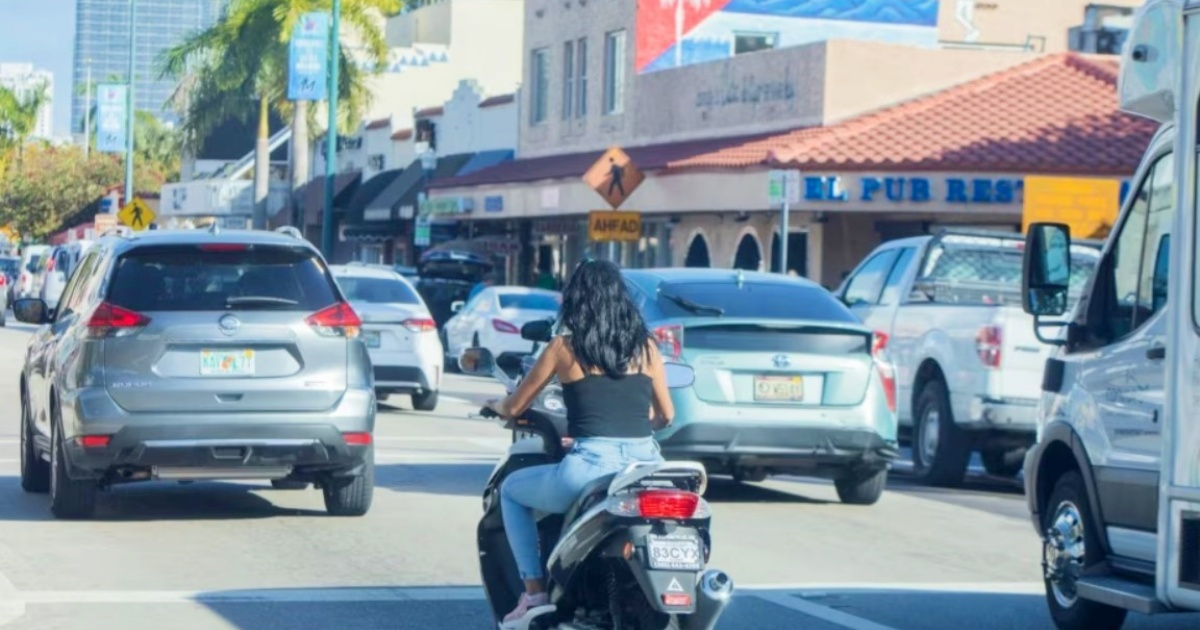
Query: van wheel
[[425, 401], [1003, 463], [1070, 544], [69, 498], [941, 450], [35, 472], [860, 489], [351, 496]]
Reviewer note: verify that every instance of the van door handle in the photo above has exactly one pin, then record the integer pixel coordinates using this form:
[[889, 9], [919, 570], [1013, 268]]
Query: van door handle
[[1157, 353]]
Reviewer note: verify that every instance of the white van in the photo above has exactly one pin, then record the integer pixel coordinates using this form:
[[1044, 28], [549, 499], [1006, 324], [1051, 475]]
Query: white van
[[60, 265]]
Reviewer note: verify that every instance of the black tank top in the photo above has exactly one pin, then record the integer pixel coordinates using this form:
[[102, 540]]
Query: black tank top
[[601, 406]]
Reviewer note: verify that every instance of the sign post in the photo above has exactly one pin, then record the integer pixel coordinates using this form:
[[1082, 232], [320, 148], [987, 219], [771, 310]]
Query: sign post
[[783, 188], [614, 177]]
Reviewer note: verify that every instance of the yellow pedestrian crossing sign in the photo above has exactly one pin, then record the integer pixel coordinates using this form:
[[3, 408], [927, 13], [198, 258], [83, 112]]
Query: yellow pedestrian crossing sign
[[137, 215]]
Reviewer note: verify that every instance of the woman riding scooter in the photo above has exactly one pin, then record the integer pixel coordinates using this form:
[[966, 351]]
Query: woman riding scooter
[[614, 386]]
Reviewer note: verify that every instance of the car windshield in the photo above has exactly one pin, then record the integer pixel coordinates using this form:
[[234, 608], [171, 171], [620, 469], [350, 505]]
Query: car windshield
[[766, 300], [190, 278], [377, 290], [529, 301]]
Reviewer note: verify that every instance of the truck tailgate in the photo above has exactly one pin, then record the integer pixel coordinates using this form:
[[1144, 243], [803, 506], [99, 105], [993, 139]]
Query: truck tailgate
[[1022, 357]]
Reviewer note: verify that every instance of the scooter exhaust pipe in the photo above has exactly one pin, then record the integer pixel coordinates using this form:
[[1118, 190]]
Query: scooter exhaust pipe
[[716, 589]]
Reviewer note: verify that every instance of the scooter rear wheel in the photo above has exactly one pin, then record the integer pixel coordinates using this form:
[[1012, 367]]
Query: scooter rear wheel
[[629, 608]]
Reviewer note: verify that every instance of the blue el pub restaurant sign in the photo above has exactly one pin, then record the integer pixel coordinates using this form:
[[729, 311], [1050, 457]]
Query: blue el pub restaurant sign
[[900, 189]]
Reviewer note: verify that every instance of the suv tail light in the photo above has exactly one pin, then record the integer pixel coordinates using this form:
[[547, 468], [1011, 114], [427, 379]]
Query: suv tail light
[[420, 324], [670, 341], [988, 344], [109, 320], [502, 326], [883, 363], [338, 320]]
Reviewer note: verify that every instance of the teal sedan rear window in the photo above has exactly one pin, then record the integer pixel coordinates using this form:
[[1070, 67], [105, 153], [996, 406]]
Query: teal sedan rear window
[[752, 299]]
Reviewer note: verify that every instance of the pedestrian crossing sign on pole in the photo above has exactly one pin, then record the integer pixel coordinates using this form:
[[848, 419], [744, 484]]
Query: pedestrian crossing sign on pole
[[137, 215]]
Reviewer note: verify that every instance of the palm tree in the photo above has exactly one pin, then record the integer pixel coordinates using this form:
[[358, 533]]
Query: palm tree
[[680, 6], [18, 116], [244, 56]]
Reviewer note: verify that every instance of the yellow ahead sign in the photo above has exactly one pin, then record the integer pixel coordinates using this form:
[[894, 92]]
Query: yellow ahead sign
[[137, 215], [609, 225]]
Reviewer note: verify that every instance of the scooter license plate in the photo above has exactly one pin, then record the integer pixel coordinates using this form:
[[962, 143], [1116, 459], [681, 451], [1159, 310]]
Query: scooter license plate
[[673, 553]]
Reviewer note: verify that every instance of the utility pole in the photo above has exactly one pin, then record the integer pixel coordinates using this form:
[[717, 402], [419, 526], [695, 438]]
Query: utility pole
[[87, 111], [331, 133], [129, 116]]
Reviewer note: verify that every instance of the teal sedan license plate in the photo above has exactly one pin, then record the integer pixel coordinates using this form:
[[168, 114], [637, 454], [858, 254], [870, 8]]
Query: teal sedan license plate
[[773, 388]]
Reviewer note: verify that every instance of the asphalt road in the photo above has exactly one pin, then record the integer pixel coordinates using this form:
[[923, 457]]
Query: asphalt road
[[245, 556]]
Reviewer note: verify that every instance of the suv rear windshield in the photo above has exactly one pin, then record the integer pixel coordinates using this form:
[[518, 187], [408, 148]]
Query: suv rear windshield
[[769, 300], [188, 278], [529, 301], [9, 266], [377, 290]]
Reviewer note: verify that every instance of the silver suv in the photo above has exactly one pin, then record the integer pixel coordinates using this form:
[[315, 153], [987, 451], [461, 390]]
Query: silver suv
[[190, 355]]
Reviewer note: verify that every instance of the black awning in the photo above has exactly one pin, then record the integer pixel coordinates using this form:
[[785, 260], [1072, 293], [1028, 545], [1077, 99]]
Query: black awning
[[368, 192], [375, 231]]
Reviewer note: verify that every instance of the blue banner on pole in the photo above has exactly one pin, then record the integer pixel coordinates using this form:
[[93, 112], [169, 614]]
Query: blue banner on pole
[[308, 58], [110, 118]]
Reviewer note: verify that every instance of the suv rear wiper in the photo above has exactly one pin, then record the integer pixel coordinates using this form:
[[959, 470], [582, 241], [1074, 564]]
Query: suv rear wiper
[[247, 300], [693, 307]]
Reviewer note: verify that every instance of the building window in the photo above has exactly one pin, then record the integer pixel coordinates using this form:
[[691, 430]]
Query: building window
[[747, 42], [568, 92], [540, 91], [614, 72], [581, 61]]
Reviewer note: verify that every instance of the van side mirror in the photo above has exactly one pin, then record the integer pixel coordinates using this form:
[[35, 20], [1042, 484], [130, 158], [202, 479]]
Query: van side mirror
[[541, 331], [457, 306], [1046, 273]]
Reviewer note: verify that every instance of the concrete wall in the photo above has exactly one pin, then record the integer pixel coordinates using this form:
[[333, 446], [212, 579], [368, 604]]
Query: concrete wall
[[464, 127], [377, 142], [1013, 22]]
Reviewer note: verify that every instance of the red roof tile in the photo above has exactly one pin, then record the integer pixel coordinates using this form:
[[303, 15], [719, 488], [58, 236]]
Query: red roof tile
[[495, 101], [1055, 114], [379, 124], [403, 134], [430, 112]]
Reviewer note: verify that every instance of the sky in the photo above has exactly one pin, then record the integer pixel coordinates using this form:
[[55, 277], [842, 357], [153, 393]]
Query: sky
[[42, 32]]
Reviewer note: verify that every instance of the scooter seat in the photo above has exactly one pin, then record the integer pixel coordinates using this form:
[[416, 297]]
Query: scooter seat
[[595, 490]]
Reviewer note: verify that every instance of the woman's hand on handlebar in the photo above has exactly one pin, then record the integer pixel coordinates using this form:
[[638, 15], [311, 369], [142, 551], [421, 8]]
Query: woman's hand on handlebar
[[493, 409]]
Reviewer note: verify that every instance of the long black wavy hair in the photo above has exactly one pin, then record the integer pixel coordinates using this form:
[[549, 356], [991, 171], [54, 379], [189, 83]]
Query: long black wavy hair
[[607, 331]]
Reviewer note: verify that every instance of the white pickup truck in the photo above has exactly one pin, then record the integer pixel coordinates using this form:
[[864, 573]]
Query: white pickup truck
[[969, 366]]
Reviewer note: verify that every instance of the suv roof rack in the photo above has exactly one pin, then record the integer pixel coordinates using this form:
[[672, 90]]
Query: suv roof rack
[[123, 231], [290, 231]]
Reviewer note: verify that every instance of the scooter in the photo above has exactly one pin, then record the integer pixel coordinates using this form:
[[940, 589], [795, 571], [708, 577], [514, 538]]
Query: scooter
[[630, 554]]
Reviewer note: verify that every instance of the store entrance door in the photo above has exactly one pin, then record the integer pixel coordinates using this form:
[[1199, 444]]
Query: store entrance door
[[797, 253]]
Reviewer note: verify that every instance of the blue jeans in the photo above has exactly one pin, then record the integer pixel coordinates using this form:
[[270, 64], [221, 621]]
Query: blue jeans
[[552, 488]]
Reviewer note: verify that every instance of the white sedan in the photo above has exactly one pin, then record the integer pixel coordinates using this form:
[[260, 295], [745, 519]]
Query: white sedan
[[399, 332], [493, 319]]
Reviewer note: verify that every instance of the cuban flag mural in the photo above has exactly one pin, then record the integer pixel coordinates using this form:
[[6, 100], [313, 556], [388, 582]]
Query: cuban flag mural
[[674, 33]]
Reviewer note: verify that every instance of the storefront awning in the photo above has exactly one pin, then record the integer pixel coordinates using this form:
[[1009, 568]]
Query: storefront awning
[[392, 196], [369, 196], [374, 232], [344, 186], [484, 159]]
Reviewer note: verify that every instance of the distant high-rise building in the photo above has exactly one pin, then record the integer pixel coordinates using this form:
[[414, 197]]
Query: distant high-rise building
[[21, 79], [102, 44]]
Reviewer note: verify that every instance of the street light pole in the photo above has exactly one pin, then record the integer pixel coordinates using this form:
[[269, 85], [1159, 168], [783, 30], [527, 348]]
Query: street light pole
[[331, 132], [129, 117]]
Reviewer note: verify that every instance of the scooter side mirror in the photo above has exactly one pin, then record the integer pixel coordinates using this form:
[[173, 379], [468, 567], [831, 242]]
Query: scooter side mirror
[[679, 375], [477, 362]]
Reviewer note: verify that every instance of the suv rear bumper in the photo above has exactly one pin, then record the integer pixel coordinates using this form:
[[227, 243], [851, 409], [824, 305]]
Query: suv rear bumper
[[780, 446]]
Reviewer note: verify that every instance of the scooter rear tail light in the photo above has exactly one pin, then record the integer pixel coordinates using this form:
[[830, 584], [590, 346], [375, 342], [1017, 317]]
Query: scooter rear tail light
[[674, 504], [676, 599]]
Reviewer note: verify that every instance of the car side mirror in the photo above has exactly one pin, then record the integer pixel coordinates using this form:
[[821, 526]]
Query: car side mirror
[[477, 362], [1046, 270], [31, 311], [541, 331], [679, 375], [457, 306]]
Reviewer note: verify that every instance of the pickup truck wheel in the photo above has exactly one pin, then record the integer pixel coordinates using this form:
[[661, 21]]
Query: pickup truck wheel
[[1003, 463], [69, 498], [35, 472], [861, 489], [941, 450], [425, 401], [351, 496], [1070, 544]]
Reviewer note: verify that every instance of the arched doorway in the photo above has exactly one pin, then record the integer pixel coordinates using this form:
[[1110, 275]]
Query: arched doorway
[[797, 253], [697, 255], [749, 253]]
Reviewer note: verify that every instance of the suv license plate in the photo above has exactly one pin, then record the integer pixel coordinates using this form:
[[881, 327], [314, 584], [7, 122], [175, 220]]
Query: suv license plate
[[371, 338], [226, 363], [673, 553]]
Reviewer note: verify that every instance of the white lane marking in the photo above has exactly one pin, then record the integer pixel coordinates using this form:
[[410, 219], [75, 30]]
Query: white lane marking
[[823, 613], [984, 588]]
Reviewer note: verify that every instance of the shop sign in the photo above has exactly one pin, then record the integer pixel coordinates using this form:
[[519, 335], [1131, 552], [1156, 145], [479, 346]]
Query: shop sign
[[950, 190], [493, 204], [609, 225], [447, 206], [422, 231], [556, 227], [377, 214], [1089, 206]]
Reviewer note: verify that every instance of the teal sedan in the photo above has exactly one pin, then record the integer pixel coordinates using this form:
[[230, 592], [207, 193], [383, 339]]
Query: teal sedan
[[788, 380]]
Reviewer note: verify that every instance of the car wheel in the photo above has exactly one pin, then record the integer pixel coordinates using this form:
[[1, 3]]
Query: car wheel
[[1003, 462], [1071, 544], [351, 496], [69, 498], [425, 401], [35, 472], [743, 475], [941, 449], [860, 489], [285, 484]]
